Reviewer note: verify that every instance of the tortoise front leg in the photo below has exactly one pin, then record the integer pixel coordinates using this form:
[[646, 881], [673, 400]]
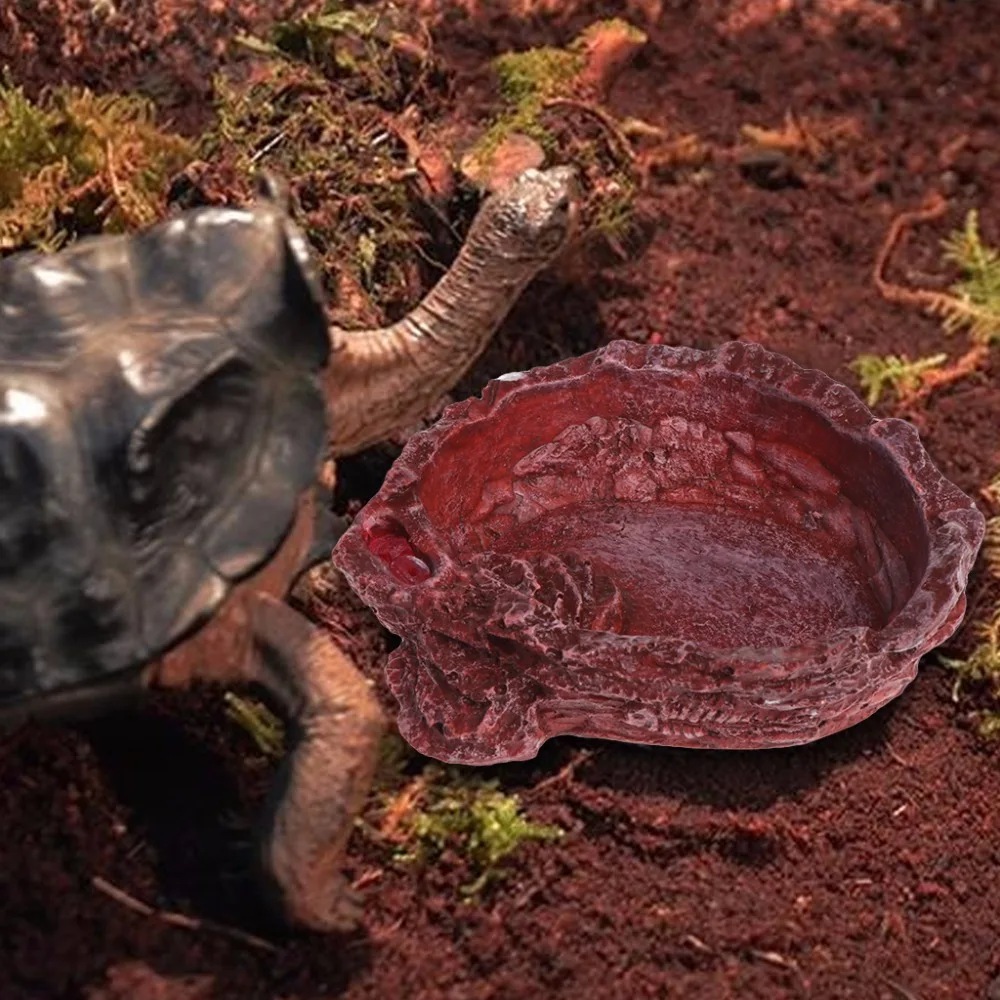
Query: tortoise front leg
[[336, 724]]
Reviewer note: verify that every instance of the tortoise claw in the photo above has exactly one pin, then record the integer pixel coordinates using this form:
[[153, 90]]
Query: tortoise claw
[[346, 909], [338, 910]]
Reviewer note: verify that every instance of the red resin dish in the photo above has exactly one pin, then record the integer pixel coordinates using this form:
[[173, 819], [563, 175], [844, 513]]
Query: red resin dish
[[658, 545]]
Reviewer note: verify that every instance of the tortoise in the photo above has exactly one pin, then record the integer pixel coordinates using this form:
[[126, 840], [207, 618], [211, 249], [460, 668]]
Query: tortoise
[[168, 400]]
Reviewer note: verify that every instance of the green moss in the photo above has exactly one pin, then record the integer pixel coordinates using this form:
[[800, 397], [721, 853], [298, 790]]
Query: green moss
[[476, 820], [75, 161], [315, 37], [575, 132], [464, 814], [974, 303], [531, 77], [526, 80], [342, 43], [876, 373]]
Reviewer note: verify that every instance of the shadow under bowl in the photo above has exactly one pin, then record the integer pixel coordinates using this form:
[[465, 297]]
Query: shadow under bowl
[[658, 545]]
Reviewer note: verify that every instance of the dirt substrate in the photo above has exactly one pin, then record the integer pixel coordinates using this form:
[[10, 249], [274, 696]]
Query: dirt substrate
[[864, 866]]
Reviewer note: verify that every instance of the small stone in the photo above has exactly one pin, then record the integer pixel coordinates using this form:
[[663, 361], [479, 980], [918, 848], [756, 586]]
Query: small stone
[[515, 154]]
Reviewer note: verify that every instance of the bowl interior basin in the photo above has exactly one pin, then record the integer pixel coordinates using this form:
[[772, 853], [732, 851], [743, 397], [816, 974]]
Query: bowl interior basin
[[712, 576], [726, 511]]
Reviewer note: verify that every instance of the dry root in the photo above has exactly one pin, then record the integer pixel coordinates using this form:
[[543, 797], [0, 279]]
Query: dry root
[[805, 137], [930, 381], [924, 298]]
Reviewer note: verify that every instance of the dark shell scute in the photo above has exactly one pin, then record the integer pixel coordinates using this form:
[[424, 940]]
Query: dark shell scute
[[177, 591], [245, 267], [286, 463], [48, 302], [160, 419], [23, 529]]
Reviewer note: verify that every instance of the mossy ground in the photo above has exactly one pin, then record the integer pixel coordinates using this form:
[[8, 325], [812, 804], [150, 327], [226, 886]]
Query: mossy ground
[[477, 821], [74, 162], [313, 101], [346, 171], [971, 305], [326, 101]]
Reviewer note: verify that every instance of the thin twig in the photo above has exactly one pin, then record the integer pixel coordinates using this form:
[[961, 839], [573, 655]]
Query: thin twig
[[566, 773], [622, 146], [902, 761], [116, 189], [697, 944], [969, 363], [267, 147], [901, 991], [403, 805], [372, 875], [774, 958], [178, 919]]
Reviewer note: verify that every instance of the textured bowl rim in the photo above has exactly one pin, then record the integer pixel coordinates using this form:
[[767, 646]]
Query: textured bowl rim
[[955, 525]]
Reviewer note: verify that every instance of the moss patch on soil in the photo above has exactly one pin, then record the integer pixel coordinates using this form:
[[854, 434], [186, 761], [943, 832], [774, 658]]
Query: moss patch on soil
[[75, 162], [475, 821]]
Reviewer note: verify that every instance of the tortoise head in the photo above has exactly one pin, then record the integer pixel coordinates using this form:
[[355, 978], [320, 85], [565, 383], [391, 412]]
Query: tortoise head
[[531, 219]]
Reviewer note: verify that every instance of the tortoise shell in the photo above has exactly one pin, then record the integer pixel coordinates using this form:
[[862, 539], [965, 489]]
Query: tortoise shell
[[160, 418]]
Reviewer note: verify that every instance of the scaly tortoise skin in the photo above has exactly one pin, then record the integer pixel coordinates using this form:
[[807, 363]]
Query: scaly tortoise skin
[[167, 400]]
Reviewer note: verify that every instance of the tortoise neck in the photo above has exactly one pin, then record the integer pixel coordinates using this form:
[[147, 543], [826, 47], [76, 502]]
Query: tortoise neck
[[381, 382], [460, 314]]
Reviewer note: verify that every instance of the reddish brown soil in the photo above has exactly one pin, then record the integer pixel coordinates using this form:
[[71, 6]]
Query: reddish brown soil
[[861, 866]]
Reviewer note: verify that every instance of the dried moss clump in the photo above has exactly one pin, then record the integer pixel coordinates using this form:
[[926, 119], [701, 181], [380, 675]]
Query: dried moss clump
[[346, 173], [381, 52], [75, 162], [377, 53]]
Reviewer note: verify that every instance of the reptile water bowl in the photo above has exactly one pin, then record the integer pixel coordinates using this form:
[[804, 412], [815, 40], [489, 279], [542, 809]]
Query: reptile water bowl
[[658, 545]]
